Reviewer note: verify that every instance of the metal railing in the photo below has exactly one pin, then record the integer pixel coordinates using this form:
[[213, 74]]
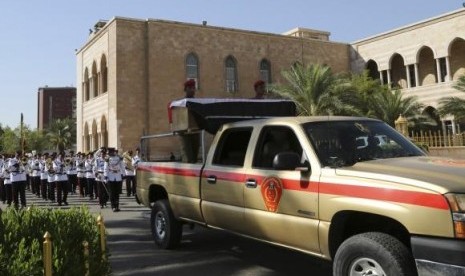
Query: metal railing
[[438, 139]]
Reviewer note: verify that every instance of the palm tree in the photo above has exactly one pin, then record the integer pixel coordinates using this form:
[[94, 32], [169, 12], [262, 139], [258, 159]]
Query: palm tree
[[454, 105], [364, 89], [314, 89], [61, 133], [389, 105]]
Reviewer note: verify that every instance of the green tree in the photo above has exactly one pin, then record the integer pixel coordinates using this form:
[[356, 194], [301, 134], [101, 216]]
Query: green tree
[[454, 105], [364, 89], [36, 140], [315, 90], [61, 134], [389, 105], [10, 140]]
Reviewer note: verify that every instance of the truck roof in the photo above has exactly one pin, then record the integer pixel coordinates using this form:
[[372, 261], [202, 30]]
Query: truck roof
[[297, 120]]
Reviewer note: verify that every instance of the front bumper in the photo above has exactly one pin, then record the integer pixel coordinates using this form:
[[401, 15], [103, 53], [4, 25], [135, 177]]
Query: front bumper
[[438, 256]]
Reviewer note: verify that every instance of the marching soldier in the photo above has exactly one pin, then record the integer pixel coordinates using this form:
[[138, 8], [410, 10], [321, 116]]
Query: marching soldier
[[129, 170], [135, 163], [61, 179], [35, 175], [81, 174], [27, 171], [90, 177], [51, 185], [43, 176], [114, 171], [100, 178], [7, 181], [72, 171], [18, 179]]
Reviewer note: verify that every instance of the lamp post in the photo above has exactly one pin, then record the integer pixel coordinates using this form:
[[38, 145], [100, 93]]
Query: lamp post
[[402, 125]]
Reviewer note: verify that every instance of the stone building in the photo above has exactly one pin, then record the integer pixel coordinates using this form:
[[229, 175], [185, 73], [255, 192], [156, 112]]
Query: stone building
[[423, 59], [129, 70]]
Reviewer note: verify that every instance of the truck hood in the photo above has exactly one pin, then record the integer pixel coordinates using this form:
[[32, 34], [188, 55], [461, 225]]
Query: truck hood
[[438, 174]]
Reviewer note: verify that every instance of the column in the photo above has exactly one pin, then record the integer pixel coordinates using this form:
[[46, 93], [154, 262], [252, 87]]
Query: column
[[454, 131], [389, 77], [417, 75], [381, 78], [448, 76], [407, 73], [438, 69]]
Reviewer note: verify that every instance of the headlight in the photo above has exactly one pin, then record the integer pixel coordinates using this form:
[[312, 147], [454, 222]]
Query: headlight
[[457, 205]]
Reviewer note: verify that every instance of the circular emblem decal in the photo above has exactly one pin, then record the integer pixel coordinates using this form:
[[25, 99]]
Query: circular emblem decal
[[272, 189]]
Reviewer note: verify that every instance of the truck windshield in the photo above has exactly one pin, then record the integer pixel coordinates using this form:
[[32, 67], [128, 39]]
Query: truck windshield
[[344, 143]]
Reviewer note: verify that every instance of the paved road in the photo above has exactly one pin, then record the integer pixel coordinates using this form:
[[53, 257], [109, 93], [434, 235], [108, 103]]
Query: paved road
[[202, 251]]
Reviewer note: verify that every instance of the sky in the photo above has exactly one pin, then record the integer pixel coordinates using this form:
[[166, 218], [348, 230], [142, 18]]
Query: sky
[[39, 39]]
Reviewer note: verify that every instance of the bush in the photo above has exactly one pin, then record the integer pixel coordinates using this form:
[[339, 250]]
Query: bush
[[22, 235]]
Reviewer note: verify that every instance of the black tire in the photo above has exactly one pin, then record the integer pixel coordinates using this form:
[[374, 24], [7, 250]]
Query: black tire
[[166, 229], [381, 253]]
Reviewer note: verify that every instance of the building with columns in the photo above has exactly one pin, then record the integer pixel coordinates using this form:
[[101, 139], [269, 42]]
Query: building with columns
[[130, 69], [423, 59]]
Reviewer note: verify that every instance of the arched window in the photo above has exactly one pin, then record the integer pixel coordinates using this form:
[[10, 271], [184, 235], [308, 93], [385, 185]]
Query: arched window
[[86, 86], [231, 74], [265, 71], [104, 74], [372, 68], [94, 140], [398, 74], [94, 80], [192, 68]]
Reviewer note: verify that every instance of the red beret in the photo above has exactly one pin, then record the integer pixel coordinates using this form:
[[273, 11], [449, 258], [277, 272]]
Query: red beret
[[258, 83], [189, 83]]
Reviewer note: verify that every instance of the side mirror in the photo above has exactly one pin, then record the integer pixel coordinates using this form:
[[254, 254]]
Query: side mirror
[[289, 161]]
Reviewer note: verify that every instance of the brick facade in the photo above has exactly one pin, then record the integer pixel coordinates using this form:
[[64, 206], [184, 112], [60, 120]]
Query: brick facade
[[55, 103], [146, 61]]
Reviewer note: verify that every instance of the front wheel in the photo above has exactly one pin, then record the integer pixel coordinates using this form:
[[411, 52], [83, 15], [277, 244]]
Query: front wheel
[[373, 253], [166, 229]]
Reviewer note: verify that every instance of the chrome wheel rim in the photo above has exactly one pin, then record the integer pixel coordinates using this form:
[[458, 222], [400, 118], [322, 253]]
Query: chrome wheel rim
[[366, 267], [160, 225]]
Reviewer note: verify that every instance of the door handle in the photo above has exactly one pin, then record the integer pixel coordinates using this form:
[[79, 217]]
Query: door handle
[[211, 179], [251, 183]]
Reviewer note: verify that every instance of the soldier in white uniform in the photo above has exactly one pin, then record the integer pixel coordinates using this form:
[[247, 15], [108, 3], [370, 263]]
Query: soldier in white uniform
[[43, 176], [35, 174], [61, 179], [129, 171], [51, 185], [135, 163], [81, 174], [7, 182], [18, 179], [99, 168], [114, 172], [90, 177], [72, 172]]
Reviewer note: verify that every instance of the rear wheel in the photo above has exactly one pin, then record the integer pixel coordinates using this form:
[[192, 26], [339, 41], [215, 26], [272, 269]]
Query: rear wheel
[[166, 229], [373, 253]]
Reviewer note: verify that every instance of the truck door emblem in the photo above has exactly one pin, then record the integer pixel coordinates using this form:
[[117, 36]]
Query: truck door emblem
[[272, 189]]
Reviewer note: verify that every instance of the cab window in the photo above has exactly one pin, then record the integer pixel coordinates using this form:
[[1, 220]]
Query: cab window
[[232, 147]]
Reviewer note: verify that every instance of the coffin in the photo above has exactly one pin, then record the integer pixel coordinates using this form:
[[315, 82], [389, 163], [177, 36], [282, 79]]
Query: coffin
[[210, 114]]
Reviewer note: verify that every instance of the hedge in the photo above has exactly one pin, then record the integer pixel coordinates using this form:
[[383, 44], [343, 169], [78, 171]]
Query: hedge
[[22, 236]]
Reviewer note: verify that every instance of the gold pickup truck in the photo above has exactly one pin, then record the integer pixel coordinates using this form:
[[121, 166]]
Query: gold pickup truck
[[350, 190]]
